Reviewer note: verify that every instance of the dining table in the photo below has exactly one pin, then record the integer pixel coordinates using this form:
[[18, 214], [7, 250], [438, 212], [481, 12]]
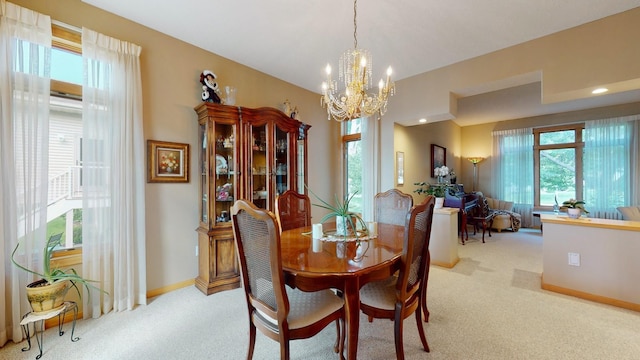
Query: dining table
[[346, 265]]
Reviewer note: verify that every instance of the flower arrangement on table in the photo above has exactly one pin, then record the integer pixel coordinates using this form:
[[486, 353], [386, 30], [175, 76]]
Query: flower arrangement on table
[[351, 220]]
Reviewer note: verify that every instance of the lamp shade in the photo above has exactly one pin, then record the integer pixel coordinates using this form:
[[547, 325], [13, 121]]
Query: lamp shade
[[475, 160]]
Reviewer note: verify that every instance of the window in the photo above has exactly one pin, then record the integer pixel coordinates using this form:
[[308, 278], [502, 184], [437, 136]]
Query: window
[[558, 164], [65, 134], [352, 152]]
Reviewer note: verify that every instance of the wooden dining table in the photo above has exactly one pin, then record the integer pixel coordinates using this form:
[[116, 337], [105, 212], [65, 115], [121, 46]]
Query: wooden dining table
[[346, 266]]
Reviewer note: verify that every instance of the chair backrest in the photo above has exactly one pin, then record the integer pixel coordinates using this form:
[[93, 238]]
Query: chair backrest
[[258, 242], [415, 252], [392, 207], [293, 210]]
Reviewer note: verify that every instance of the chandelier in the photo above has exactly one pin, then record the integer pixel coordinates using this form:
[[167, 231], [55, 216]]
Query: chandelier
[[355, 70]]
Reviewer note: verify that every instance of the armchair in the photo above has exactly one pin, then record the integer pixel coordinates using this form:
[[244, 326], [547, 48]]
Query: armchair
[[504, 216]]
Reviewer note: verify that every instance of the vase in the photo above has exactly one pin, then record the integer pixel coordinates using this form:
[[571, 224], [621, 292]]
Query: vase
[[343, 228], [439, 203], [44, 298], [574, 213]]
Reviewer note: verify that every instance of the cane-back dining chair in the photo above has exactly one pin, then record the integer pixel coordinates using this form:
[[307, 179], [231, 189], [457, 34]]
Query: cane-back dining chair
[[293, 210], [397, 297], [392, 207], [277, 310]]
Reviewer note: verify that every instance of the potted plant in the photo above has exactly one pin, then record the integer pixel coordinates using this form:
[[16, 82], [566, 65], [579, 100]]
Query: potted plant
[[575, 208], [49, 292], [437, 190], [346, 220]]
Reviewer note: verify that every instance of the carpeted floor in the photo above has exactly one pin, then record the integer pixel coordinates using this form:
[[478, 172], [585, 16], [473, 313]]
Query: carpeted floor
[[489, 306]]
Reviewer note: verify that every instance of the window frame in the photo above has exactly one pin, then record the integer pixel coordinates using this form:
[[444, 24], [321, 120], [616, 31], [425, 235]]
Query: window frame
[[578, 145], [64, 38], [346, 139]]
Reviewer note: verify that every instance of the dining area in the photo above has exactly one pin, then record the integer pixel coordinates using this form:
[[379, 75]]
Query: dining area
[[298, 281]]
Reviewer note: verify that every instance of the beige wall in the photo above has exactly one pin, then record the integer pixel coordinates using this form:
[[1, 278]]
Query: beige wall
[[171, 89], [415, 142], [569, 64], [170, 74]]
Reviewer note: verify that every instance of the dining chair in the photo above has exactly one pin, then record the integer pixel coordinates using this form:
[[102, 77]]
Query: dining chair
[[397, 297], [392, 207], [278, 311], [293, 210]]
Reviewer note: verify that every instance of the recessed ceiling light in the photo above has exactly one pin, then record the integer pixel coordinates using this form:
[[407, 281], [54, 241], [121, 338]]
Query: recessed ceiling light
[[422, 121], [600, 91]]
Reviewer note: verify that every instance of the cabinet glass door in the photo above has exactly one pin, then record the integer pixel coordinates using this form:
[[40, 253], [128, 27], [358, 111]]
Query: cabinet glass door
[[224, 176], [204, 166], [259, 166], [300, 166], [281, 161]]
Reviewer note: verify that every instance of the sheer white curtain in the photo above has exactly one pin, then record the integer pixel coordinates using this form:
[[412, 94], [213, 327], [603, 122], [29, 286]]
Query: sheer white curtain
[[611, 165], [25, 51], [512, 170], [370, 138], [113, 224]]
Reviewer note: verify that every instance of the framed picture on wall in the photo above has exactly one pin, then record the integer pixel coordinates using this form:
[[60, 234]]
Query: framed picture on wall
[[438, 157], [167, 161], [400, 167]]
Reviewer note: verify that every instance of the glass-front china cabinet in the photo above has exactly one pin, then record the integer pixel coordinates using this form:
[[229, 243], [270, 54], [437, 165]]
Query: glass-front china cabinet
[[251, 154]]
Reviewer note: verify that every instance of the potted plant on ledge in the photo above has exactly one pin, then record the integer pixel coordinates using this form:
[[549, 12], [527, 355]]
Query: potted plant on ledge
[[437, 190], [48, 293], [575, 208]]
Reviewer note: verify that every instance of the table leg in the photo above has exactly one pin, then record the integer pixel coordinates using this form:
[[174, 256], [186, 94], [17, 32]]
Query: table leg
[[352, 315]]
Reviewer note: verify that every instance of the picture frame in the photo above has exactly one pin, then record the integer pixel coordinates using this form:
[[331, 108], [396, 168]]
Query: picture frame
[[167, 162], [400, 167], [438, 157]]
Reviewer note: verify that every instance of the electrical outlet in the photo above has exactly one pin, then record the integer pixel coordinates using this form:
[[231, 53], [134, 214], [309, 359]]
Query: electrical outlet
[[574, 259], [196, 250]]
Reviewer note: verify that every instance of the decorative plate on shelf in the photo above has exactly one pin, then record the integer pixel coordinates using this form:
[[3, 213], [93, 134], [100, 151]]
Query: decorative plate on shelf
[[221, 165]]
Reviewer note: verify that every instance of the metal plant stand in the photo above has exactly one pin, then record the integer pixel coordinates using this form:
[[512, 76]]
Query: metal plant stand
[[38, 319]]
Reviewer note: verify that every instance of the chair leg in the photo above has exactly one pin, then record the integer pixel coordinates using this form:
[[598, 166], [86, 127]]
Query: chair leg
[[343, 336], [336, 346], [284, 349], [397, 327], [423, 337], [340, 337], [252, 340], [423, 289]]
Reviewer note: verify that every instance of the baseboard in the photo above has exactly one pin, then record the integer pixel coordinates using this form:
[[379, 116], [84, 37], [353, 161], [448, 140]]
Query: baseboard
[[169, 288], [445, 265], [591, 297]]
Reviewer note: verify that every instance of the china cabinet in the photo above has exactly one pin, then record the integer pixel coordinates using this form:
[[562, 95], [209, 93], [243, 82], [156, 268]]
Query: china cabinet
[[244, 153]]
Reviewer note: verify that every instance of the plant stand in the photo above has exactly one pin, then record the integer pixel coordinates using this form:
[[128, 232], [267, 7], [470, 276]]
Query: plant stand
[[37, 318]]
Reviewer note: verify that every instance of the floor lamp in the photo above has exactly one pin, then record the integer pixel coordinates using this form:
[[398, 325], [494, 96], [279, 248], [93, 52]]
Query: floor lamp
[[475, 161]]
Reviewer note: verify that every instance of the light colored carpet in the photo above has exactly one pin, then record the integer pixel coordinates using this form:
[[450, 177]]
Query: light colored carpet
[[489, 306]]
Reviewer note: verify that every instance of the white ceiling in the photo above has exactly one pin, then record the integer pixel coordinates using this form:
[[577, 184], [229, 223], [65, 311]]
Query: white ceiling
[[293, 40]]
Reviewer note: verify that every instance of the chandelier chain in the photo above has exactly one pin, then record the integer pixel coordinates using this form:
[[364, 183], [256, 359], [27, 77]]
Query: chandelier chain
[[355, 25]]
